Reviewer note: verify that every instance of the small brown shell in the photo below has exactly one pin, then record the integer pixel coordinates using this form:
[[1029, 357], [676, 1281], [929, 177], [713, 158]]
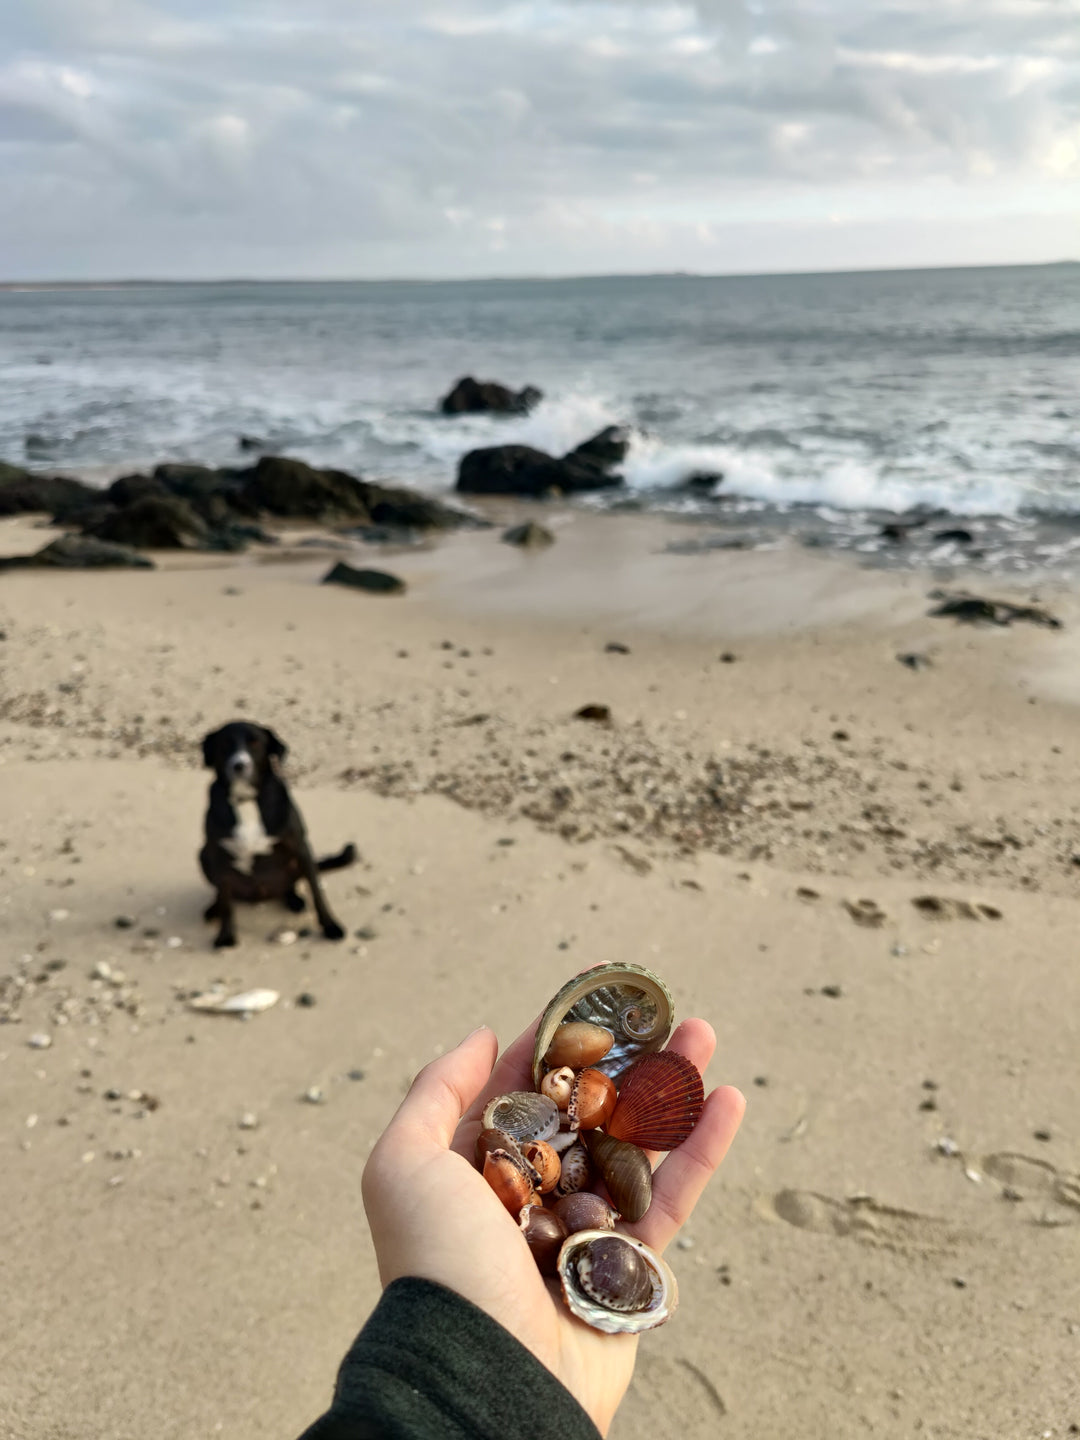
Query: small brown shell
[[578, 1044], [626, 1171], [545, 1162], [506, 1175], [523, 1114], [660, 1101], [584, 1211], [576, 1170], [490, 1140], [558, 1086], [544, 1234], [592, 1100]]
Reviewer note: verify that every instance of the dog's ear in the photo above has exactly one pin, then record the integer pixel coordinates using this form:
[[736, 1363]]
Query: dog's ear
[[275, 747], [209, 745]]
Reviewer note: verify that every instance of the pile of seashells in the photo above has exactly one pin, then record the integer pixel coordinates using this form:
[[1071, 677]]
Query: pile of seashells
[[604, 1094]]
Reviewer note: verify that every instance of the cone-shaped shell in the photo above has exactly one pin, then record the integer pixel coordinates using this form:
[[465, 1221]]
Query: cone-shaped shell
[[615, 1283], [626, 1000], [660, 1101], [626, 1171], [522, 1115]]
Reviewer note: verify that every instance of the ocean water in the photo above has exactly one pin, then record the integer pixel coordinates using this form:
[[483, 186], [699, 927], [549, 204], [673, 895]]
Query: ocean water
[[825, 400]]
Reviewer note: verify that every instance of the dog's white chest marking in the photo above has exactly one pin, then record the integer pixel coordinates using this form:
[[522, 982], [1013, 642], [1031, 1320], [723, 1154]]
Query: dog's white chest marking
[[249, 839]]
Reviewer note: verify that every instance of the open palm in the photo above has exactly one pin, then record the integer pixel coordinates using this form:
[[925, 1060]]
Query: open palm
[[433, 1216]]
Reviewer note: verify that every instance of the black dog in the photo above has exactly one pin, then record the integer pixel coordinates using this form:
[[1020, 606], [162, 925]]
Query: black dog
[[256, 846]]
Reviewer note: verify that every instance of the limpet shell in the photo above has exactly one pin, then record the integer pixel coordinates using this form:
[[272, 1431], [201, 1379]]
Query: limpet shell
[[627, 1000], [523, 1115], [615, 1283]]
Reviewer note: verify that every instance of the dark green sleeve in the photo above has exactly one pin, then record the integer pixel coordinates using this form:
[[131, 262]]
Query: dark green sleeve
[[429, 1365]]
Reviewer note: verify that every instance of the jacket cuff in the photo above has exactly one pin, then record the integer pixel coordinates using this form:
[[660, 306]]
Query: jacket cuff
[[430, 1363]]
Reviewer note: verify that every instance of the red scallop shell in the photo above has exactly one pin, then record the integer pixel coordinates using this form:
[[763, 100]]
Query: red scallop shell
[[660, 1101]]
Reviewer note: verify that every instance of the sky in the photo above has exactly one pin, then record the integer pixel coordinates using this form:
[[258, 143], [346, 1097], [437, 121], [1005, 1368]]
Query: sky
[[457, 138]]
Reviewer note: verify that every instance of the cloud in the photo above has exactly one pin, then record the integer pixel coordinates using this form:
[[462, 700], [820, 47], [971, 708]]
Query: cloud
[[487, 136]]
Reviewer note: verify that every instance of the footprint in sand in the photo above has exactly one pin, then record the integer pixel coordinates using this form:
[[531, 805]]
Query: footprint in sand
[[864, 1219], [673, 1396], [942, 907], [1022, 1177]]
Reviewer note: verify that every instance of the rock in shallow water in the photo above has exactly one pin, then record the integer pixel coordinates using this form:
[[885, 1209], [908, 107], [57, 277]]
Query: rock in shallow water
[[474, 397]]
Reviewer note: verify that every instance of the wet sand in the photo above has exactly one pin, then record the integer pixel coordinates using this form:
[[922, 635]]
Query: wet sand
[[894, 1244]]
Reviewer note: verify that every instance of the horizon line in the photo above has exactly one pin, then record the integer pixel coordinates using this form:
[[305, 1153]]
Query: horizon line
[[531, 279]]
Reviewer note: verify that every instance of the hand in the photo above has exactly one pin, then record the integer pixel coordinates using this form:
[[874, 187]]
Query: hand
[[434, 1216]]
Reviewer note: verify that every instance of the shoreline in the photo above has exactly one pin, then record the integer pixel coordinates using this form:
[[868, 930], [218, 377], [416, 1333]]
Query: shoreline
[[759, 830]]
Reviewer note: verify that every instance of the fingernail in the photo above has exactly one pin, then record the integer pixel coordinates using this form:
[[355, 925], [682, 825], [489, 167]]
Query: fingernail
[[472, 1033]]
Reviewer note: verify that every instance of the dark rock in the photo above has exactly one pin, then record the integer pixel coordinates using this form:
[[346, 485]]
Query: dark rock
[[79, 552], [959, 536], [522, 470], [701, 482], [896, 532], [974, 609], [251, 442], [616, 647], [410, 509], [216, 495], [24, 494], [609, 447], [39, 445], [305, 1000], [378, 582], [471, 397], [598, 714], [529, 536], [296, 490], [728, 657], [152, 522], [397, 535], [915, 660]]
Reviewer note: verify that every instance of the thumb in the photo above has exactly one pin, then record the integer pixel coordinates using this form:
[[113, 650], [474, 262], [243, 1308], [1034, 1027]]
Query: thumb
[[443, 1091]]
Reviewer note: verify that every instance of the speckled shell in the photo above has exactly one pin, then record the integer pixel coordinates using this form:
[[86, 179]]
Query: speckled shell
[[658, 1308], [628, 1000], [522, 1115], [660, 1101], [576, 1170]]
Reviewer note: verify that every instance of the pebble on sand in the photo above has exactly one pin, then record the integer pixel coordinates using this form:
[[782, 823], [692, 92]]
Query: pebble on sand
[[314, 1096], [39, 1041]]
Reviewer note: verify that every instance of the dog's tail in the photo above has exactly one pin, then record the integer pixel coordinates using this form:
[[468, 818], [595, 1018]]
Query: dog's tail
[[348, 856]]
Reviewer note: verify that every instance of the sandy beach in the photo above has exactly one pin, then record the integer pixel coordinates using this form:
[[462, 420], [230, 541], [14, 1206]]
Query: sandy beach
[[865, 874]]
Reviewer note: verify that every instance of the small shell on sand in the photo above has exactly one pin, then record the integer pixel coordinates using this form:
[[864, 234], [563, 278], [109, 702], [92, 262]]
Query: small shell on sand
[[247, 1002]]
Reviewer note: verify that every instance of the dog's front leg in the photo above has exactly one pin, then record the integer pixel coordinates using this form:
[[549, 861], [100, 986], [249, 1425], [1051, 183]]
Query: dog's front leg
[[330, 927], [223, 908]]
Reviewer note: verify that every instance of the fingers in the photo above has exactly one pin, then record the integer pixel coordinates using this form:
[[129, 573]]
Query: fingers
[[696, 1039], [680, 1180], [443, 1091]]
